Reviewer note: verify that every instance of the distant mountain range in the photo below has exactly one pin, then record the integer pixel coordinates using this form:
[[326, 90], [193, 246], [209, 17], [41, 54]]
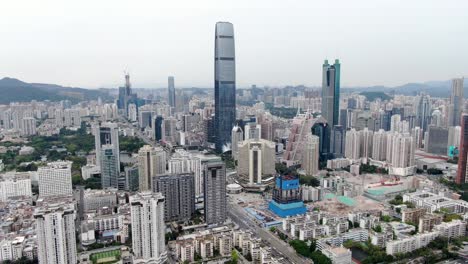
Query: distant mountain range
[[434, 88], [14, 90]]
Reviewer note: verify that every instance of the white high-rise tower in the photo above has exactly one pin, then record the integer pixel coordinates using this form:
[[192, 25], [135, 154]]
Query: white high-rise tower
[[148, 228], [55, 229]]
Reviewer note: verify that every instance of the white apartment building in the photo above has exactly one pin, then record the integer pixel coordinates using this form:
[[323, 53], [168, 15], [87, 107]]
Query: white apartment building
[[434, 202], [14, 186], [55, 229], [148, 228], [338, 255], [28, 126], [96, 199], [55, 179], [410, 243], [455, 228], [108, 222], [11, 248]]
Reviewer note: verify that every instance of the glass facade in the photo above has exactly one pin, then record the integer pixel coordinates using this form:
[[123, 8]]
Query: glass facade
[[225, 85], [331, 92]]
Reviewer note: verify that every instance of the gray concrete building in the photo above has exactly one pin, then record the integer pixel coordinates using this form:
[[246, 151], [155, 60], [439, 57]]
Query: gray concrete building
[[215, 192], [179, 192], [438, 140]]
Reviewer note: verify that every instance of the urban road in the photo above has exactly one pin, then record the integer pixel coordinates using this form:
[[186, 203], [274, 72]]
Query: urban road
[[240, 217], [138, 132]]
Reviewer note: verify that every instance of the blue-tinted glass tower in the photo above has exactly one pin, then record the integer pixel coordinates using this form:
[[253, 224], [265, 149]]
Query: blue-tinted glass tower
[[322, 130], [225, 84]]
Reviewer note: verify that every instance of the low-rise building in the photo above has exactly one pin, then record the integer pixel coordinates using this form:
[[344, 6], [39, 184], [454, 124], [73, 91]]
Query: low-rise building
[[94, 200], [428, 221], [455, 228], [338, 255], [412, 215], [411, 243]]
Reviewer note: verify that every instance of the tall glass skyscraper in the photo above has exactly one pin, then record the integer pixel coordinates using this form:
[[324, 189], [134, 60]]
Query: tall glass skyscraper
[[225, 84], [171, 91], [331, 92]]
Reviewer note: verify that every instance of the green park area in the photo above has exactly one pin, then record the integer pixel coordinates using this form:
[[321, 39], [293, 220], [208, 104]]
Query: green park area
[[106, 257], [72, 145]]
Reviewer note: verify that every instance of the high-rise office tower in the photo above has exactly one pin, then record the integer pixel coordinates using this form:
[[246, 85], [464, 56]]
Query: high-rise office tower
[[237, 136], [417, 135], [106, 134], [109, 168], [423, 111], [132, 113], [148, 228], [169, 129], [55, 179], [310, 159], [337, 141], [252, 131], [331, 92], [215, 192], [181, 101], [456, 102], [125, 95], [437, 140], [145, 118], [151, 162], [225, 84], [395, 121], [436, 118], [385, 120], [171, 98], [132, 178], [179, 193], [322, 130], [256, 159], [55, 230], [463, 150], [344, 118], [454, 136], [158, 127]]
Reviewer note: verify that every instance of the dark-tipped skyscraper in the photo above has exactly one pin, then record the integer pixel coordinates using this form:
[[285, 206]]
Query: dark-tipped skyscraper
[[171, 91], [225, 84], [126, 96], [331, 92]]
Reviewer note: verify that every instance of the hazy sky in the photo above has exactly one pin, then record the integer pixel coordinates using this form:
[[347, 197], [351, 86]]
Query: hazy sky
[[89, 43]]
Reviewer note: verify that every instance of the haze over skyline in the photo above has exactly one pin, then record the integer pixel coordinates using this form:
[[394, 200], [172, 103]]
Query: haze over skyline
[[90, 43]]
